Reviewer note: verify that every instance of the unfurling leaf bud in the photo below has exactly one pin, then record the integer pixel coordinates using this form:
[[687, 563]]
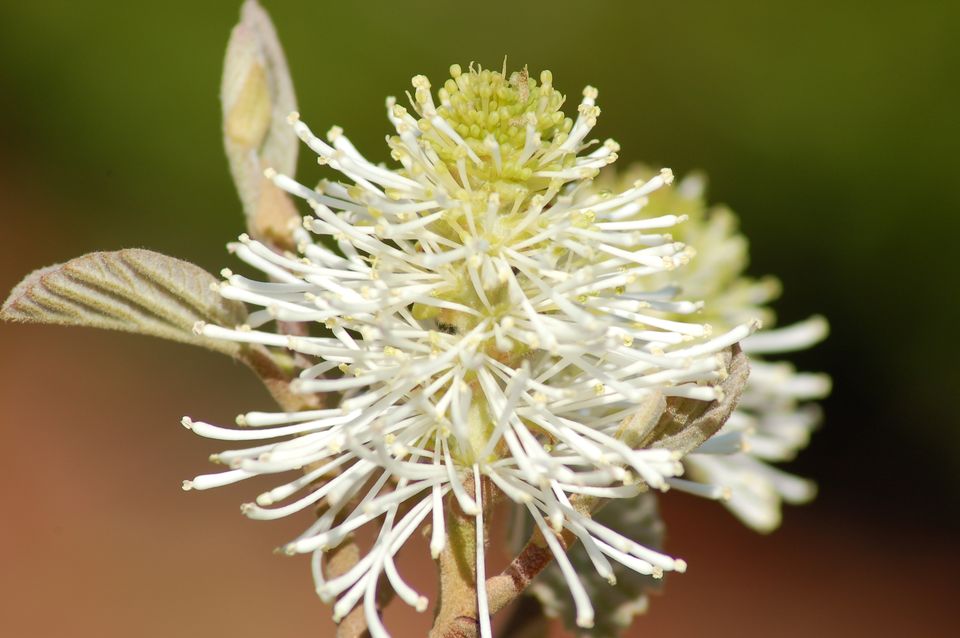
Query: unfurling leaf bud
[[256, 94]]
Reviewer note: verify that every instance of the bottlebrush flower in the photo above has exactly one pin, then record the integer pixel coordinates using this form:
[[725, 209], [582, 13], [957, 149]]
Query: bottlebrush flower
[[478, 316], [775, 416]]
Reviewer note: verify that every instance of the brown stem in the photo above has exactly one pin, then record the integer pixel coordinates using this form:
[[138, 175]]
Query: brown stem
[[457, 614], [277, 379], [503, 588], [457, 609]]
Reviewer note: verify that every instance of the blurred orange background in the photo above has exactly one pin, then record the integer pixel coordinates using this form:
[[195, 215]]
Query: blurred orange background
[[828, 127]]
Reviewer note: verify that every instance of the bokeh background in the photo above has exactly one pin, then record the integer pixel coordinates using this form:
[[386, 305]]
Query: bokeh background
[[831, 127]]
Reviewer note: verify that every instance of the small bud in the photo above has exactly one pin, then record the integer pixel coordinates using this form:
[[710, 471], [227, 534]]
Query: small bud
[[256, 94]]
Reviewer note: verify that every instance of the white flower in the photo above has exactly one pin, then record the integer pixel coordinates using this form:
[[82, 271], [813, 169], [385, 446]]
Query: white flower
[[484, 318], [773, 420]]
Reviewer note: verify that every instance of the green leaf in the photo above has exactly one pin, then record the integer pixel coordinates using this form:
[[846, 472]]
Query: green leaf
[[256, 93], [129, 290], [615, 606]]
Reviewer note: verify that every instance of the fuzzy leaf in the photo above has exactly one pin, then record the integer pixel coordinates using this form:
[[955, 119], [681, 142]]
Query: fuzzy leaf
[[129, 290], [256, 93], [614, 606]]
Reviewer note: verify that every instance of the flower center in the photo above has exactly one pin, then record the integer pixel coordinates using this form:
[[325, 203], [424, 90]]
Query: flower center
[[490, 128]]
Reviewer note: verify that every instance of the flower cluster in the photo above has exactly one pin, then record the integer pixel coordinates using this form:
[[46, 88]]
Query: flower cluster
[[774, 418], [485, 314]]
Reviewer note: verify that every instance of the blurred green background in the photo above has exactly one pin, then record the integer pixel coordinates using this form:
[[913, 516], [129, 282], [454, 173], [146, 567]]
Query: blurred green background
[[830, 127]]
